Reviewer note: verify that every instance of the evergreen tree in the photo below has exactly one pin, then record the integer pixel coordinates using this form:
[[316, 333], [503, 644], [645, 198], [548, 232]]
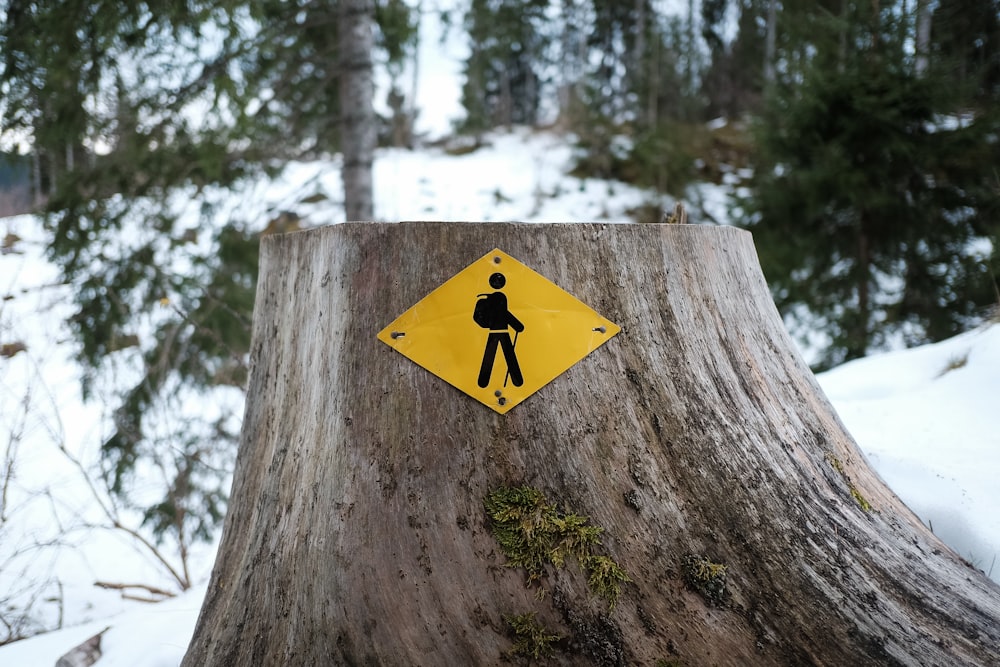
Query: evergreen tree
[[619, 70], [507, 51], [398, 32], [131, 108], [618, 46], [104, 92], [573, 30], [875, 220], [734, 80], [965, 37], [641, 85]]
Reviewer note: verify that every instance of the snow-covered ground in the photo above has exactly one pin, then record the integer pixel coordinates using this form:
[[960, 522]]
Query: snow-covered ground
[[927, 419], [520, 175]]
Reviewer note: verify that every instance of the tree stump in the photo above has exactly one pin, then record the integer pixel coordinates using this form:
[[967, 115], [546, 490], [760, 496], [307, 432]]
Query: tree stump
[[684, 495]]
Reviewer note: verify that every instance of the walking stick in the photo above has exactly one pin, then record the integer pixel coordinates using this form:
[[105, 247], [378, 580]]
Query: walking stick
[[513, 347]]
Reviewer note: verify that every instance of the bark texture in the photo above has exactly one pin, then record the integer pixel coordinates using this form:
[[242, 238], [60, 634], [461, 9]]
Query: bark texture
[[696, 438]]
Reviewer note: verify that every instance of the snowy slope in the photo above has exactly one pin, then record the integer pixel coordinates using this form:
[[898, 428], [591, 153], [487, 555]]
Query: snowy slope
[[151, 636], [928, 421]]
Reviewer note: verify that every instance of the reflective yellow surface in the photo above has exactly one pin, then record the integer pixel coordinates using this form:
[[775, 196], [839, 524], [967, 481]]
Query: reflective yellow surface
[[529, 331]]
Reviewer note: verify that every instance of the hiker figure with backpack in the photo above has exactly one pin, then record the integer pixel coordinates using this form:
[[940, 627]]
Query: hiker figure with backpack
[[491, 313]]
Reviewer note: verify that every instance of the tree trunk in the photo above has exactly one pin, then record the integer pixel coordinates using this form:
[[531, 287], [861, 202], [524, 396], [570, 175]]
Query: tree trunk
[[922, 42], [358, 136], [368, 523], [770, 40]]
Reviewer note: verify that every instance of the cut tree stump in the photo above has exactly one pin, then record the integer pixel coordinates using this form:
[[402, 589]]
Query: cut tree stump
[[684, 495]]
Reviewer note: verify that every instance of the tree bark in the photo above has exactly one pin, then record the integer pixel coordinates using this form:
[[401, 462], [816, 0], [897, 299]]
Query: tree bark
[[697, 439], [770, 41], [358, 136], [922, 40]]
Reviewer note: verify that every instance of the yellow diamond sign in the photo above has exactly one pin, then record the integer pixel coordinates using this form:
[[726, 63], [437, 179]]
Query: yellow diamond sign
[[498, 331]]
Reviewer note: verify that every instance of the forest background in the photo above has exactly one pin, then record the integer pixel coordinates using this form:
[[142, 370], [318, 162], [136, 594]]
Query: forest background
[[861, 139]]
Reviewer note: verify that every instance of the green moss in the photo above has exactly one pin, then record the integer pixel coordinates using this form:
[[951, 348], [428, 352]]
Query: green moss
[[705, 577], [533, 534], [855, 493], [605, 576], [860, 499], [531, 638]]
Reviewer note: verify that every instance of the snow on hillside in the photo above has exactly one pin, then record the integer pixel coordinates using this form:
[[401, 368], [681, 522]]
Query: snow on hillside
[[520, 175], [148, 636]]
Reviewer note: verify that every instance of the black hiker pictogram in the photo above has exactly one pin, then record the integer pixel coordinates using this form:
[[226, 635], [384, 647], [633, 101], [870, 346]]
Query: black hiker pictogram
[[491, 313]]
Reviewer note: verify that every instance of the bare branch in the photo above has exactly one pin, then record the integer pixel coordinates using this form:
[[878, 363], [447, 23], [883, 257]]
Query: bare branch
[[159, 593]]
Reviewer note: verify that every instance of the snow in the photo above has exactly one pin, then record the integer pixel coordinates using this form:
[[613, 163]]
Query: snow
[[927, 420], [150, 636], [517, 175]]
